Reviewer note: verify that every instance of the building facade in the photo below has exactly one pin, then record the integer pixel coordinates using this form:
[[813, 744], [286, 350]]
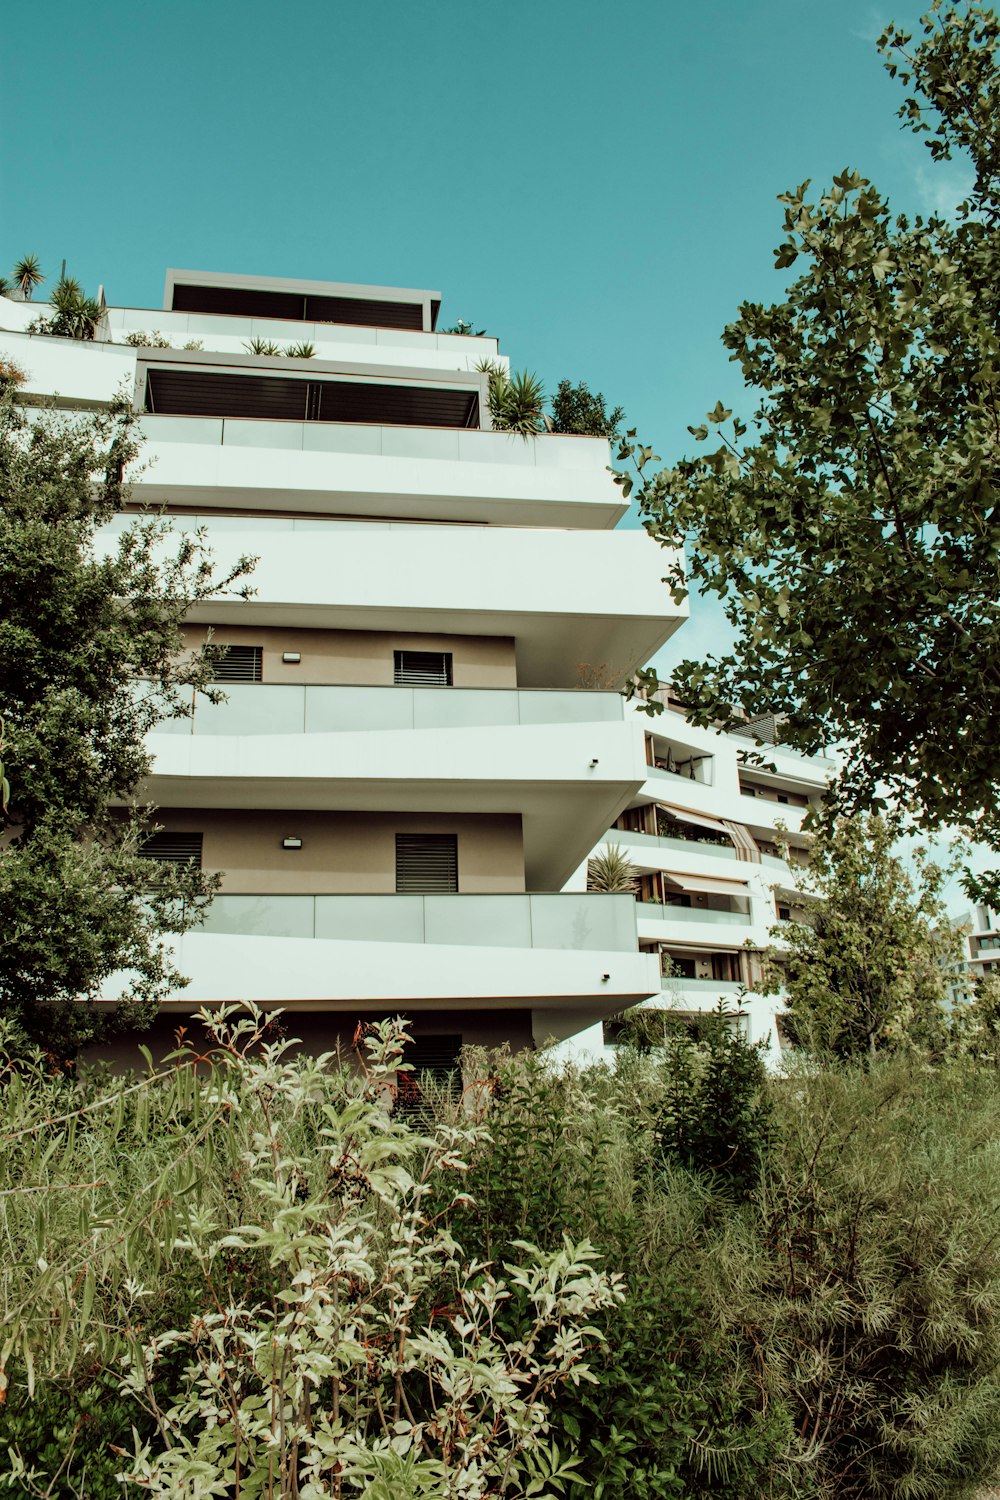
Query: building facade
[[715, 837], [410, 764], [980, 927]]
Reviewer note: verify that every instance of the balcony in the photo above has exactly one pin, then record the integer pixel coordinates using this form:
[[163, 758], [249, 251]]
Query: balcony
[[426, 473], [285, 708], [674, 983], [582, 923], [692, 846], [698, 915], [574, 956], [566, 768], [570, 600]]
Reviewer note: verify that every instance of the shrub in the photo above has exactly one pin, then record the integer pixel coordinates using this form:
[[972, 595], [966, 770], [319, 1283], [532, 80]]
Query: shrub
[[272, 1290], [575, 408]]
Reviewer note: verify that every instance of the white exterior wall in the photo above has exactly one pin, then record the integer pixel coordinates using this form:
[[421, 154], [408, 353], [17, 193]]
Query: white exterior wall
[[527, 555], [706, 931]]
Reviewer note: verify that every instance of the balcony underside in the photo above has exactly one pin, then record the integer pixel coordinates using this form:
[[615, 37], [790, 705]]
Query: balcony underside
[[584, 608], [543, 773], [347, 976]]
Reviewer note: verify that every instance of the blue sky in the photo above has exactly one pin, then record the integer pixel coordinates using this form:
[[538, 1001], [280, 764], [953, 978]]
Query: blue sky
[[593, 183]]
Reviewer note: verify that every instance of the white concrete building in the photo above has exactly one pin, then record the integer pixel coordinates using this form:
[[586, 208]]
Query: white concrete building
[[707, 835], [407, 770], [981, 935], [413, 765]]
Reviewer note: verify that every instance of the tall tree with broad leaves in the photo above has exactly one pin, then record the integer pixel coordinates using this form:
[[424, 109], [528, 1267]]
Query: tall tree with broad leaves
[[850, 524], [868, 967], [91, 659]]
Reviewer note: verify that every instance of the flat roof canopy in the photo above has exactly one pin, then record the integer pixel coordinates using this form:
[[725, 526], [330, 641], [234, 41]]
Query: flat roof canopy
[[191, 392], [301, 301]]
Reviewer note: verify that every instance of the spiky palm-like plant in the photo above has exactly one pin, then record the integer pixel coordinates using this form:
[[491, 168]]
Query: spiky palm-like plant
[[263, 346], [301, 351], [611, 872], [75, 316], [517, 402], [27, 275]]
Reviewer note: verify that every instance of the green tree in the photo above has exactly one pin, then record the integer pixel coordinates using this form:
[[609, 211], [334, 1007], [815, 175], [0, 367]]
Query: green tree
[[575, 408], [27, 275], [90, 660], [867, 970], [74, 314], [850, 525], [714, 1118]]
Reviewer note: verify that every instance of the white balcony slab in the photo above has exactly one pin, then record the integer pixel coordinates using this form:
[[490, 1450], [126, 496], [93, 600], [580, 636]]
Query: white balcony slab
[[579, 605], [344, 974], [74, 374], [402, 472]]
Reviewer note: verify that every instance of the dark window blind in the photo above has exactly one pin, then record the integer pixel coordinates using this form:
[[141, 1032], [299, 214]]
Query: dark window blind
[[426, 862], [240, 664], [422, 668], [173, 848]]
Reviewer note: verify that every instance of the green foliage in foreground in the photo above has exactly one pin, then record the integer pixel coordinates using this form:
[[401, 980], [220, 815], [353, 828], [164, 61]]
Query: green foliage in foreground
[[91, 659], [254, 1271], [867, 967]]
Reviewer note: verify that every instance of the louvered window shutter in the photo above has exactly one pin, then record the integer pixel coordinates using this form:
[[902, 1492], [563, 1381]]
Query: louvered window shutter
[[426, 862], [422, 668], [173, 848], [239, 664], [436, 1056]]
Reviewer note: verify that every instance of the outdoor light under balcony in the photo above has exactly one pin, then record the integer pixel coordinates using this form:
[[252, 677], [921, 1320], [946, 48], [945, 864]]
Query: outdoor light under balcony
[[291, 843]]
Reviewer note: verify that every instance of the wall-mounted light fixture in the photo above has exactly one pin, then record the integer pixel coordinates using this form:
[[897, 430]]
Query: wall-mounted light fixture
[[594, 762], [291, 843], [291, 657], [605, 978]]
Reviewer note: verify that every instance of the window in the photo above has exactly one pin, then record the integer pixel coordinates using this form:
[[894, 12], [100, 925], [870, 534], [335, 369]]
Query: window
[[173, 848], [239, 664], [784, 913], [433, 1059], [426, 862], [783, 797], [422, 668]]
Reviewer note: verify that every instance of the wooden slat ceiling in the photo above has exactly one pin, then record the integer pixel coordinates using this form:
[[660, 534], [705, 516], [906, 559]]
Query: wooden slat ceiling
[[199, 393]]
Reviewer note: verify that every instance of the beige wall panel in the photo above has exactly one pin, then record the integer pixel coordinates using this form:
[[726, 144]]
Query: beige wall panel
[[366, 657], [346, 853]]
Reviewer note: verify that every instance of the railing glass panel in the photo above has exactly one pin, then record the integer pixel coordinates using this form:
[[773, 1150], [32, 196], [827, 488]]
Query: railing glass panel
[[286, 708], [583, 922], [653, 841], [481, 921], [698, 914]]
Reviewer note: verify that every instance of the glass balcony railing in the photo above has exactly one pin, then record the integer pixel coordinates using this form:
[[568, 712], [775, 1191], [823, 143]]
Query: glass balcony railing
[[657, 841], [279, 708], [670, 982], [469, 445], [580, 922], [699, 914]]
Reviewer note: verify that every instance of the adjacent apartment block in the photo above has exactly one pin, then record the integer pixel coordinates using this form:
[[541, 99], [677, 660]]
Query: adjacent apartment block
[[715, 836], [981, 933], [409, 767]]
